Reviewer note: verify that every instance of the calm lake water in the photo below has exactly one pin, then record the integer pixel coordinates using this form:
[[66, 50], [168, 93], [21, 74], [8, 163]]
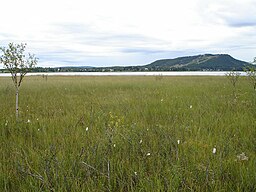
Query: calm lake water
[[151, 73]]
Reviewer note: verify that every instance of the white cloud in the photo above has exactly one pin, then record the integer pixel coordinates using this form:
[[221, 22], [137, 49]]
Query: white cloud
[[122, 32]]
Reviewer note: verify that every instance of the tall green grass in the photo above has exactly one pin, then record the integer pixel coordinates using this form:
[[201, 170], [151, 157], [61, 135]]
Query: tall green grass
[[128, 134]]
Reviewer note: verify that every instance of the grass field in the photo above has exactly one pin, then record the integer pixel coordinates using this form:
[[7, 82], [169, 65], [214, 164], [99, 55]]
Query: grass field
[[128, 134]]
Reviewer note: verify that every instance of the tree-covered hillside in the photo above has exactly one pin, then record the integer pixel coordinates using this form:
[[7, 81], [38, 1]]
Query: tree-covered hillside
[[218, 62]]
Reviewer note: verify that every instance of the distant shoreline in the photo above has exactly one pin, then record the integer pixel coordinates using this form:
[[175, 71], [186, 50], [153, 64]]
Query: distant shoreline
[[151, 73]]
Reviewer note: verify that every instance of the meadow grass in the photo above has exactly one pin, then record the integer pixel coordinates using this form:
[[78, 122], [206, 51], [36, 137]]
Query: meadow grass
[[128, 134]]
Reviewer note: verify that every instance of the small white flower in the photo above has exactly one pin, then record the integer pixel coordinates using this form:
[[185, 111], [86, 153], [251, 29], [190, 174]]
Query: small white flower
[[147, 129], [38, 129], [214, 150], [135, 173], [178, 141], [28, 121], [148, 154], [86, 129], [140, 141], [37, 119], [242, 157], [190, 106], [162, 100], [6, 123], [114, 145]]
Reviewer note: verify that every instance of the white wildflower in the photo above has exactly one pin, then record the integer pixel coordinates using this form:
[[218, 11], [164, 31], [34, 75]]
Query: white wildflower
[[114, 145], [190, 106], [6, 123], [135, 173], [38, 129], [28, 121], [242, 157], [37, 119], [148, 154], [214, 150], [147, 129], [87, 128], [140, 141], [178, 141]]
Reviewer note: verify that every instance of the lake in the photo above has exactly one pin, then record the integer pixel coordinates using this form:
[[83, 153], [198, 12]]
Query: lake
[[150, 73]]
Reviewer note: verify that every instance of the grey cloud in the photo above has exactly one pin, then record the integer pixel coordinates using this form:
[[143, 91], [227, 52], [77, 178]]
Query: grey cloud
[[4, 35], [235, 14], [123, 43], [86, 33], [240, 23], [61, 55], [143, 51], [72, 28]]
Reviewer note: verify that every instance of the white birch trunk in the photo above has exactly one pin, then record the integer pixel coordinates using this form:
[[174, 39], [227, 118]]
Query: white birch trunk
[[17, 103]]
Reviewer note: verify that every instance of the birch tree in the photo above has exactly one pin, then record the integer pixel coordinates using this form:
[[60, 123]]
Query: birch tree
[[18, 64], [251, 74], [233, 77]]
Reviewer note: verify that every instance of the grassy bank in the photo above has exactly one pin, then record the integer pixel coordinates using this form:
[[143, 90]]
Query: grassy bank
[[128, 134]]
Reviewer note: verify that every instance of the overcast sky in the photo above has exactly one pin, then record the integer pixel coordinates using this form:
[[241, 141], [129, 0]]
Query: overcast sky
[[128, 32]]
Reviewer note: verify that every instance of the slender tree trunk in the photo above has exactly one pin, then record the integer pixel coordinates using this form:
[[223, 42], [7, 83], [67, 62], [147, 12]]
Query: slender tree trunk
[[17, 103], [109, 185]]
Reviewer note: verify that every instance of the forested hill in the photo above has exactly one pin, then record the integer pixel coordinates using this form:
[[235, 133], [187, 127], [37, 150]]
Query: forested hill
[[218, 62]]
